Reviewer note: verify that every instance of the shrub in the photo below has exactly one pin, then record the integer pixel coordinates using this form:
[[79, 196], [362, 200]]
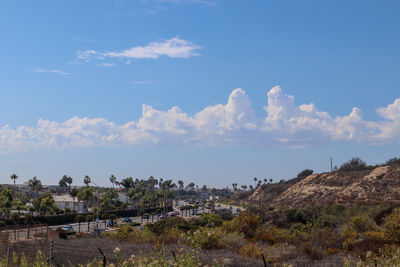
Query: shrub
[[362, 223], [311, 251], [250, 250], [299, 216], [163, 226], [225, 214], [123, 231], [272, 235], [350, 238], [355, 164], [233, 240], [304, 173], [206, 239], [375, 235], [246, 223], [210, 220], [392, 226]]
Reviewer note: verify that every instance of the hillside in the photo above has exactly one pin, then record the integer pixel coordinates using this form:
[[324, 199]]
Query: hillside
[[379, 184]]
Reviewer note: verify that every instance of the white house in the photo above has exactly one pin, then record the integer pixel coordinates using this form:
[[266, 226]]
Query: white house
[[66, 201], [123, 197]]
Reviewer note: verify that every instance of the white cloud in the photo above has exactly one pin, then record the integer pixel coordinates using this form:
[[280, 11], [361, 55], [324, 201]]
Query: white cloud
[[107, 65], [37, 69], [174, 48], [142, 82], [285, 124]]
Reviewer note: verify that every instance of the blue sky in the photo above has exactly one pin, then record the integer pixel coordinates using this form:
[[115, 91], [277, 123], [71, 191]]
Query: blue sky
[[74, 76]]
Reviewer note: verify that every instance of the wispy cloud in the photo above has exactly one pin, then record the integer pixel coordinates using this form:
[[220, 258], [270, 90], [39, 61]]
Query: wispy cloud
[[37, 69], [174, 48], [142, 82], [107, 65], [234, 122]]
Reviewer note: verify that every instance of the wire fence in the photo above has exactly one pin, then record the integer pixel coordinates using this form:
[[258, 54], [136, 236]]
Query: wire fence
[[74, 251]]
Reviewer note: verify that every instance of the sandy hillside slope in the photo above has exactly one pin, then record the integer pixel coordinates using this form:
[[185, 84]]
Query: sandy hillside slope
[[379, 184]]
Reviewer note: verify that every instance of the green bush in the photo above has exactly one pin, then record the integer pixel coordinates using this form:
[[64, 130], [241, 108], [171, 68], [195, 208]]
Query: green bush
[[362, 223], [211, 220], [246, 223], [206, 238], [392, 226], [163, 226]]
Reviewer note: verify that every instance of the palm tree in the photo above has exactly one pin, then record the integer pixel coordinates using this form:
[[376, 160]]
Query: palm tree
[[113, 179], [73, 192], [63, 182], [85, 195], [87, 180], [68, 179], [35, 185], [14, 177], [180, 183]]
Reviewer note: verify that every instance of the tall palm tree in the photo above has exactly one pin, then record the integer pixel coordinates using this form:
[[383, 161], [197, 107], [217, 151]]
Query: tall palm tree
[[14, 177], [180, 183], [87, 180], [35, 185], [68, 179], [113, 179], [85, 195]]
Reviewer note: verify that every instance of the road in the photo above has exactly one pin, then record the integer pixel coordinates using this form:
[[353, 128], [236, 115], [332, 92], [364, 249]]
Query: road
[[22, 234]]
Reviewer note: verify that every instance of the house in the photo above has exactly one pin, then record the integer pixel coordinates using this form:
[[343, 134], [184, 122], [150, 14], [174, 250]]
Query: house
[[123, 197], [66, 201]]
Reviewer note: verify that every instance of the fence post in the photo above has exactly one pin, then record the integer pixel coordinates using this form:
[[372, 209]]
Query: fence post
[[51, 252], [265, 263], [104, 258], [8, 256]]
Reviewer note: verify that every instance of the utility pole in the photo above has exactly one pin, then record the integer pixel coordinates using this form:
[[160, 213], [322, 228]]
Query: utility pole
[[331, 165]]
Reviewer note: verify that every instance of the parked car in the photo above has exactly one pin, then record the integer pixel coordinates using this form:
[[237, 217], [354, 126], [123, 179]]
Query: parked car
[[110, 223], [238, 210], [127, 219], [67, 228], [172, 214], [194, 212], [219, 205], [146, 216], [163, 216]]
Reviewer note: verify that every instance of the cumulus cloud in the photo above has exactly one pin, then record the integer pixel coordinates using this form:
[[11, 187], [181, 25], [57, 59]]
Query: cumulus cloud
[[234, 122], [174, 48]]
